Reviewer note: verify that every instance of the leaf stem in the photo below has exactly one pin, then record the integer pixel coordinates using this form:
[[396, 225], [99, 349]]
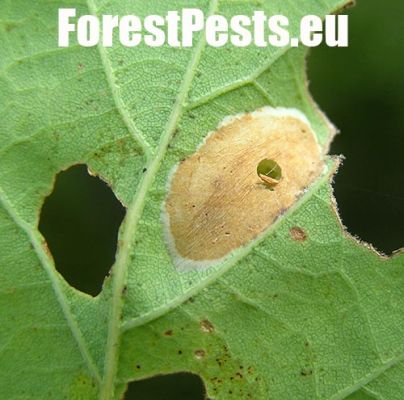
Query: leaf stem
[[132, 219]]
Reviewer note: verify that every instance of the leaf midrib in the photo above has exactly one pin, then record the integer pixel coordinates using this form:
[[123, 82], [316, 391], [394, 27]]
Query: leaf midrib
[[133, 215]]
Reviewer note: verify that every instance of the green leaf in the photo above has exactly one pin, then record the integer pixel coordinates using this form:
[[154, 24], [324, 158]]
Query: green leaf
[[303, 312]]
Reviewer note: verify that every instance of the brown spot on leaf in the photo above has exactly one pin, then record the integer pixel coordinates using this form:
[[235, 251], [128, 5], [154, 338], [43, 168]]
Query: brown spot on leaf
[[199, 354], [168, 333], [216, 201], [206, 326], [298, 234], [239, 375], [46, 249]]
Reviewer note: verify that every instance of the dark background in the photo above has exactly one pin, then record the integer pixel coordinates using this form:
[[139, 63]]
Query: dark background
[[360, 88]]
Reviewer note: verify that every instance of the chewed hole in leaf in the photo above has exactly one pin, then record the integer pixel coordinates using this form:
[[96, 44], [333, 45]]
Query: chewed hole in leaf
[[181, 386], [80, 222], [270, 172]]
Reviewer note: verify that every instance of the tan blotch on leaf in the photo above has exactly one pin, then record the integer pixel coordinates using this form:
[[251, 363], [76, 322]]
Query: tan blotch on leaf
[[217, 203]]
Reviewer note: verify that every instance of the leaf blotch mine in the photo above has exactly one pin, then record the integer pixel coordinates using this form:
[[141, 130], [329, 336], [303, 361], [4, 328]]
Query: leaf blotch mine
[[216, 202]]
